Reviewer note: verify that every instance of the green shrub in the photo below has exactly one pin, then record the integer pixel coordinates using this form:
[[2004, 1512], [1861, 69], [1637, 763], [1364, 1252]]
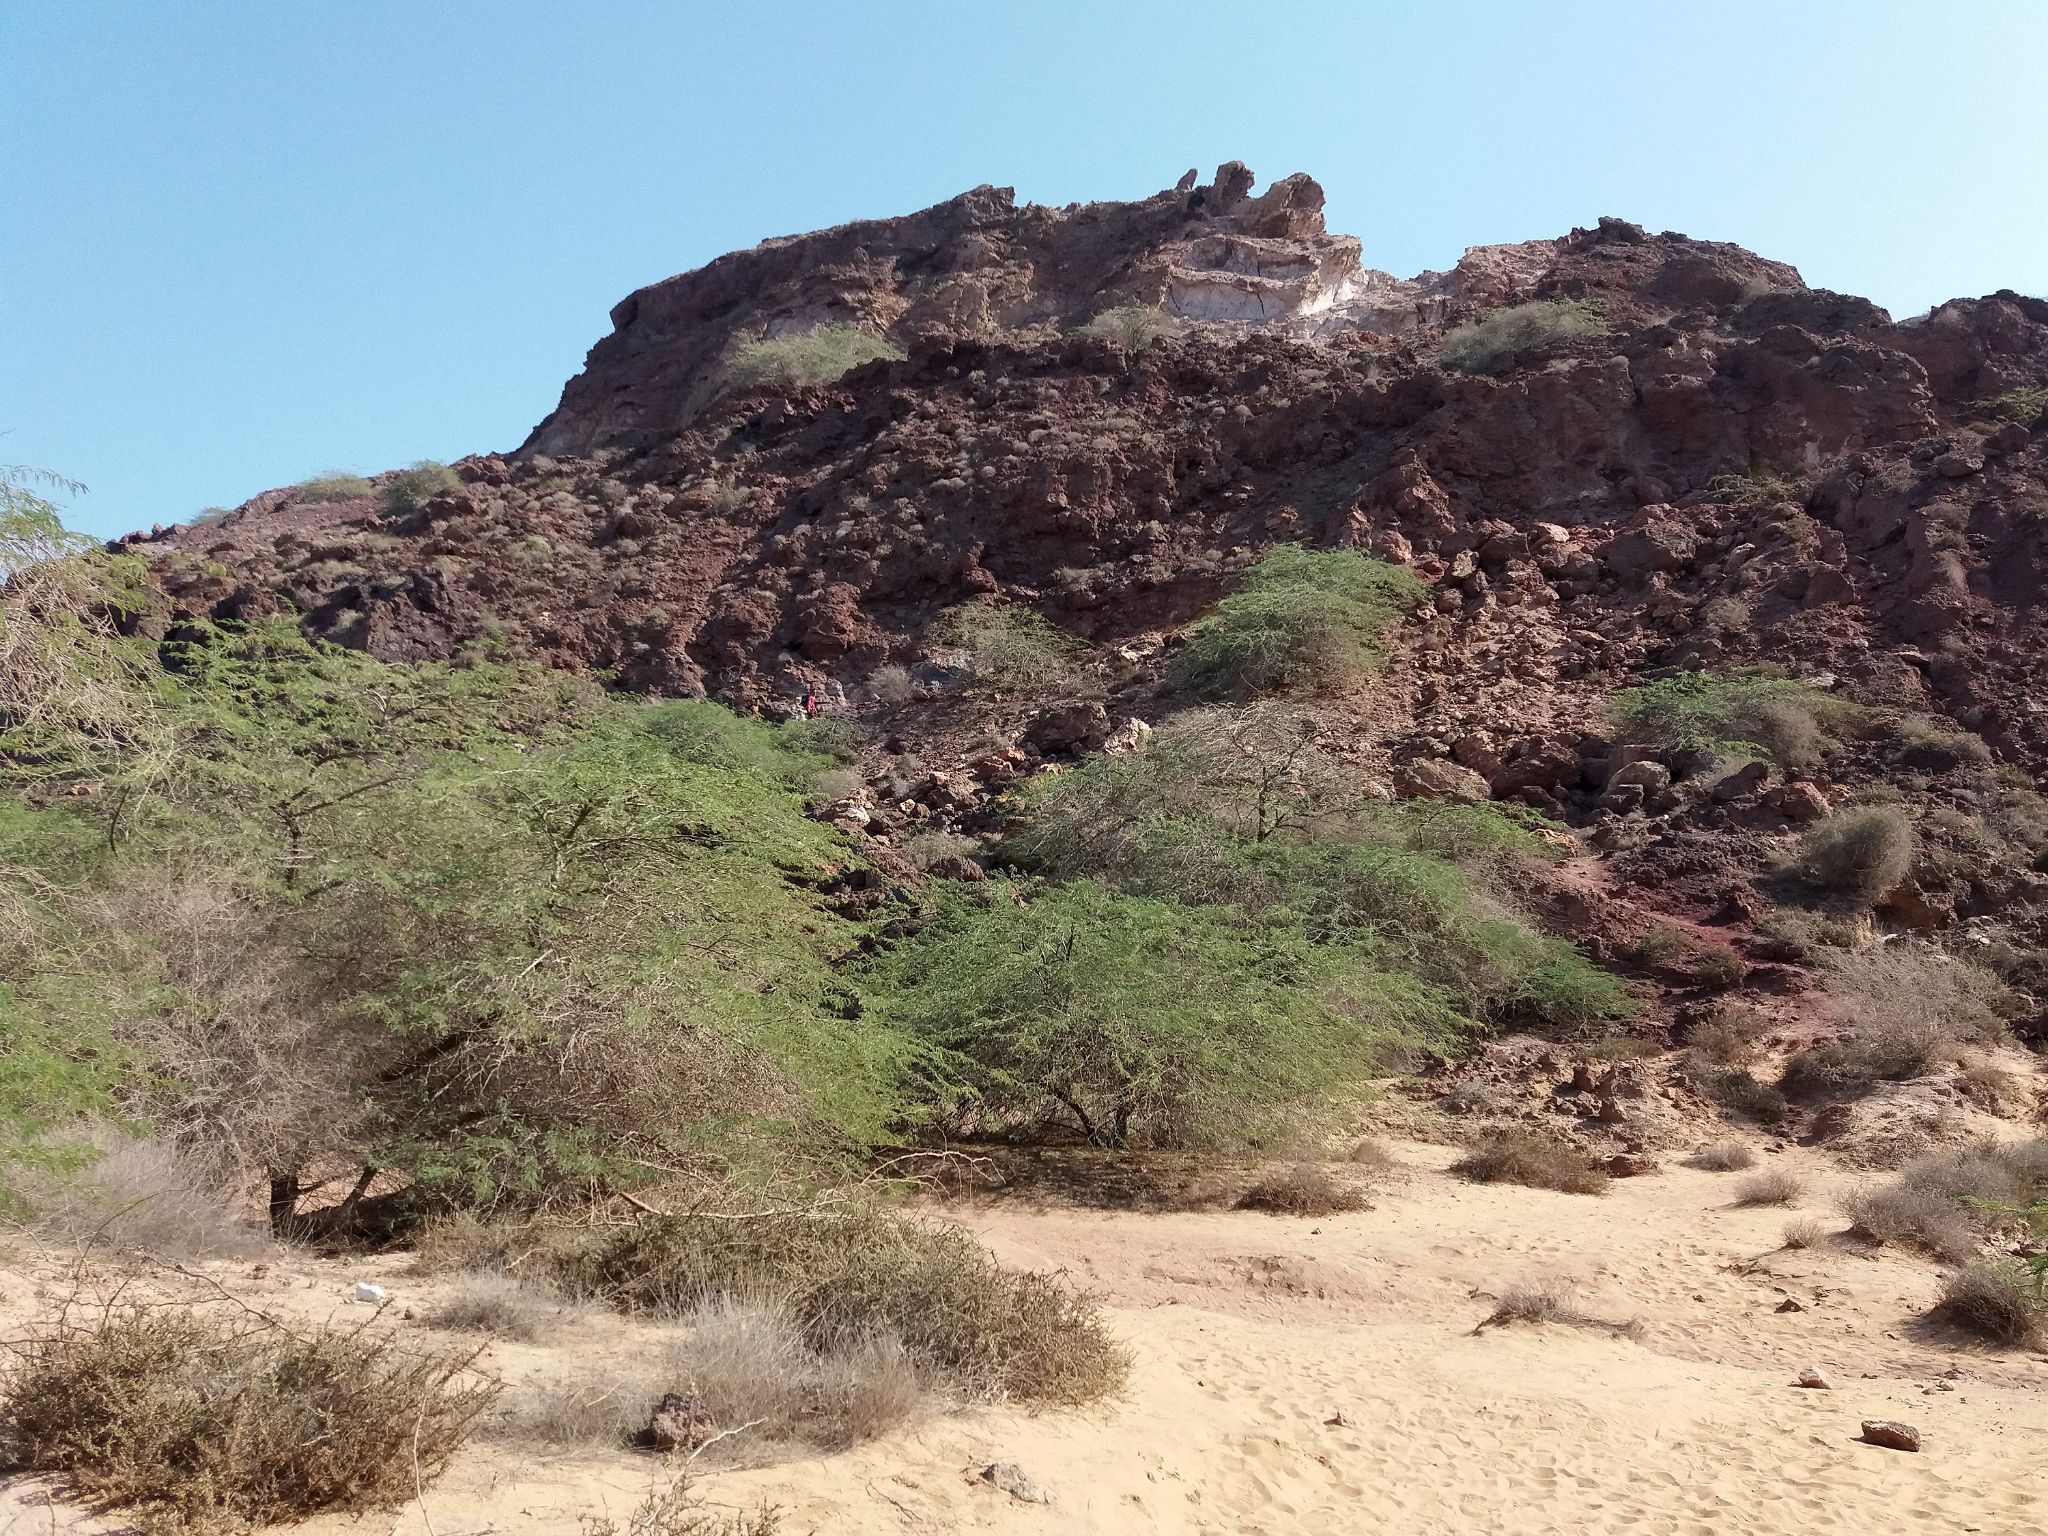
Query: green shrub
[[1144, 1019], [1533, 1159], [1134, 327], [335, 485], [192, 1421], [1300, 620], [813, 357], [1010, 646], [1743, 714], [412, 488], [1246, 807], [1859, 853], [2024, 404], [1474, 347], [1759, 487], [510, 940]]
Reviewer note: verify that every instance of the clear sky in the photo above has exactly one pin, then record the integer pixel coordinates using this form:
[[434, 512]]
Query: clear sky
[[252, 241]]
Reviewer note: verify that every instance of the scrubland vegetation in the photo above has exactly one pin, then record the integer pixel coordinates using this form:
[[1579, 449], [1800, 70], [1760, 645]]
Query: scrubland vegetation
[[1474, 347], [1300, 619], [1134, 327], [1741, 715], [816, 356]]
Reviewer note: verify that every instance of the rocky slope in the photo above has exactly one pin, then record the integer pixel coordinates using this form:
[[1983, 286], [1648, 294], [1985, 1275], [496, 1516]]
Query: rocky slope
[[1737, 469]]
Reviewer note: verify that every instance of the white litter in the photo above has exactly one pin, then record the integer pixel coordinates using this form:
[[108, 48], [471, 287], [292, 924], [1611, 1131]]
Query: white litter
[[369, 1291]]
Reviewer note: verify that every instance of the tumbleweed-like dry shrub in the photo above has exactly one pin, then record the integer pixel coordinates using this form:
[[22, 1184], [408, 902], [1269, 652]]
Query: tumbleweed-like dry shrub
[[499, 1305], [750, 1362], [1727, 1037], [1548, 1301], [1998, 1301], [1944, 1201], [196, 1420], [1859, 853], [982, 1331], [141, 1196], [1723, 1157], [673, 1509], [1806, 1232], [1774, 1186], [1533, 1159], [1301, 1190]]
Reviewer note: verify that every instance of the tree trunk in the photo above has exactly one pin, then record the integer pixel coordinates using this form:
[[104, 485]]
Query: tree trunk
[[284, 1200]]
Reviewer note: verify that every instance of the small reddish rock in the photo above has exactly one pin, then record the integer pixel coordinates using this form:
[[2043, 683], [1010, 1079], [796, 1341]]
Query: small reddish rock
[[1891, 1434]]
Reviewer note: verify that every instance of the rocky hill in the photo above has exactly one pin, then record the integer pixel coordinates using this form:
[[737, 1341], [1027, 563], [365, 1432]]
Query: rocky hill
[[1711, 466]]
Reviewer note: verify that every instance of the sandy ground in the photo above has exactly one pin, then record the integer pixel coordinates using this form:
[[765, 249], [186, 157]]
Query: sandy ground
[[1322, 1375]]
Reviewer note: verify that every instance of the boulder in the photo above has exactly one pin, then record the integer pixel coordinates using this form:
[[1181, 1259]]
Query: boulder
[[1797, 802], [1435, 779], [1742, 782], [1637, 553], [1080, 725]]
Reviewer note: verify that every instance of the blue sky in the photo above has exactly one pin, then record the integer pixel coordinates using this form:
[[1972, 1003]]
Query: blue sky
[[249, 242]]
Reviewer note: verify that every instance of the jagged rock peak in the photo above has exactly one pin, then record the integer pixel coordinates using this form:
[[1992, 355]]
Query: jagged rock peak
[[974, 264]]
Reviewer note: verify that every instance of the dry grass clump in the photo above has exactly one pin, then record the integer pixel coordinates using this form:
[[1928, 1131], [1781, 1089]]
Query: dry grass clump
[[2000, 1301], [1946, 1201], [600, 1408], [748, 1372], [674, 1510], [1305, 1189], [1897, 1216], [496, 1304], [1858, 853], [1533, 1159], [982, 1331], [750, 1362], [1775, 1186], [1727, 1037], [194, 1421], [1372, 1158], [1737, 1090], [1806, 1232], [142, 1196], [1547, 1301], [1723, 1157]]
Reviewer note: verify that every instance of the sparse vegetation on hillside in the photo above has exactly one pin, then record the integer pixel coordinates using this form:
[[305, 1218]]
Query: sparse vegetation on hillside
[[816, 356], [334, 485], [2024, 404], [1134, 327], [1743, 714], [1300, 620], [1477, 346], [412, 488], [1859, 853], [1010, 646]]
